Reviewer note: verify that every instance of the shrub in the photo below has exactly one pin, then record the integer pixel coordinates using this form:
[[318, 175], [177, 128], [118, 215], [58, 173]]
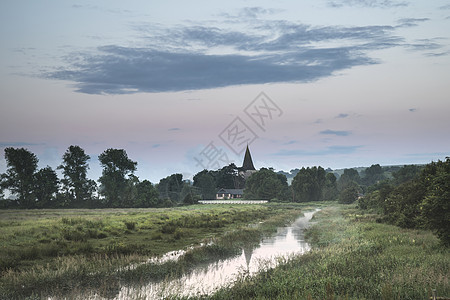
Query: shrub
[[131, 225], [348, 195]]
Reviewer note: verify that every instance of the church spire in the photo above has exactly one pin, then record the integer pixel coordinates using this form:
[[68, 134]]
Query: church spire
[[248, 163]]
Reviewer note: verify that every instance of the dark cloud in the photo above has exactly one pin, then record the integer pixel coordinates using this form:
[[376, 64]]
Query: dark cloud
[[336, 132], [332, 150], [342, 116], [250, 13], [412, 109], [437, 54], [368, 3], [411, 22], [424, 45], [191, 57]]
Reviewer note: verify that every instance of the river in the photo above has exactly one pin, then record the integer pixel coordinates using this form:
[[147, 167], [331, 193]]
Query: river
[[286, 242]]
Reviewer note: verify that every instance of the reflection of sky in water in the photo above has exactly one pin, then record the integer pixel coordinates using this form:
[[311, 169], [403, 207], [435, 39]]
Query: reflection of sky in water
[[288, 241]]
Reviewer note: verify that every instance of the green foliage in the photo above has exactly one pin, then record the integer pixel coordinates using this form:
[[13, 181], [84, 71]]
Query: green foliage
[[205, 181], [373, 174], [46, 187], [116, 166], [266, 185], [19, 178], [436, 204], [329, 191], [54, 252], [420, 200], [314, 184], [228, 178], [406, 173], [170, 187], [353, 257], [348, 195], [147, 196], [349, 178], [78, 188]]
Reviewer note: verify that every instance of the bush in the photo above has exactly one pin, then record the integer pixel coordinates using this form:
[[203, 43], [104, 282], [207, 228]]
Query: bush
[[131, 225], [348, 195]]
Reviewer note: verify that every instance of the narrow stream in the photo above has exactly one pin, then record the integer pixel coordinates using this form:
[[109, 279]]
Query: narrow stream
[[288, 241]]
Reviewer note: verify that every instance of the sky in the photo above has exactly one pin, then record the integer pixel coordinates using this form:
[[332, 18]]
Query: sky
[[187, 85]]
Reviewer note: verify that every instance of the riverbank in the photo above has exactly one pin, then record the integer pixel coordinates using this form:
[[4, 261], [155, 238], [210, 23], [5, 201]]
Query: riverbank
[[353, 257], [64, 252]]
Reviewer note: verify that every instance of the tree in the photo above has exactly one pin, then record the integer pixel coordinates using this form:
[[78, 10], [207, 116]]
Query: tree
[[189, 195], [19, 177], [206, 183], [116, 166], [266, 185], [349, 178], [2, 185], [170, 187], [435, 206], [131, 191], [406, 173], [78, 187], [373, 174], [228, 177], [308, 184], [329, 192], [348, 195], [402, 206], [46, 186], [147, 196]]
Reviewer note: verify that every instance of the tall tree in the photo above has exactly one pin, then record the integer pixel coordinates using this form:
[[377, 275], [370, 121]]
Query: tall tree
[[349, 178], [19, 177], [147, 196], [46, 186], [170, 187], [205, 182], [373, 174], [228, 177], [308, 184], [435, 206], [116, 167], [406, 173], [266, 185], [329, 192], [74, 167]]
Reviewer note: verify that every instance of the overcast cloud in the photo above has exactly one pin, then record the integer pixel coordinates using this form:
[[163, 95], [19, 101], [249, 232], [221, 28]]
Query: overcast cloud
[[191, 57]]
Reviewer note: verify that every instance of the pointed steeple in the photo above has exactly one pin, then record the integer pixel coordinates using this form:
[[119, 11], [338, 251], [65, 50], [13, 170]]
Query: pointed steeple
[[248, 163]]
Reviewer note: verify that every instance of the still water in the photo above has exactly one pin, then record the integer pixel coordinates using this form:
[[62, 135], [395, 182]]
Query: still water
[[288, 241]]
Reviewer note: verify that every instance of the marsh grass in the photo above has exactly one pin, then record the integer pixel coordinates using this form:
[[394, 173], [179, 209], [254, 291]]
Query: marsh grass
[[353, 257], [63, 252]]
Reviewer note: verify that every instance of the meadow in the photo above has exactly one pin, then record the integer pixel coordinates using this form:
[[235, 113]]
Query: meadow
[[354, 257], [65, 251]]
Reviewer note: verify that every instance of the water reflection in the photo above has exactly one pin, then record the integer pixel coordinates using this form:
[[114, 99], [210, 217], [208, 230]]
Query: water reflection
[[254, 258]]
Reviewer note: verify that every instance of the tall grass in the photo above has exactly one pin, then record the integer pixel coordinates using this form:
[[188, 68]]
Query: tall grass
[[66, 253], [354, 258]]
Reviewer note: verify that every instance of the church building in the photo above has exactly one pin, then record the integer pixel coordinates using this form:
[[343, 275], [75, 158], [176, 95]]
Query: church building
[[245, 172], [247, 168]]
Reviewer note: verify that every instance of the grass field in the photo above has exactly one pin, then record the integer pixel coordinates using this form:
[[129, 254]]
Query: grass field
[[354, 257], [61, 252]]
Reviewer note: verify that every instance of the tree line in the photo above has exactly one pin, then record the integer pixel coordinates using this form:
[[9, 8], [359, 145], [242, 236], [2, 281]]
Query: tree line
[[33, 188], [119, 187], [416, 197], [409, 196]]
